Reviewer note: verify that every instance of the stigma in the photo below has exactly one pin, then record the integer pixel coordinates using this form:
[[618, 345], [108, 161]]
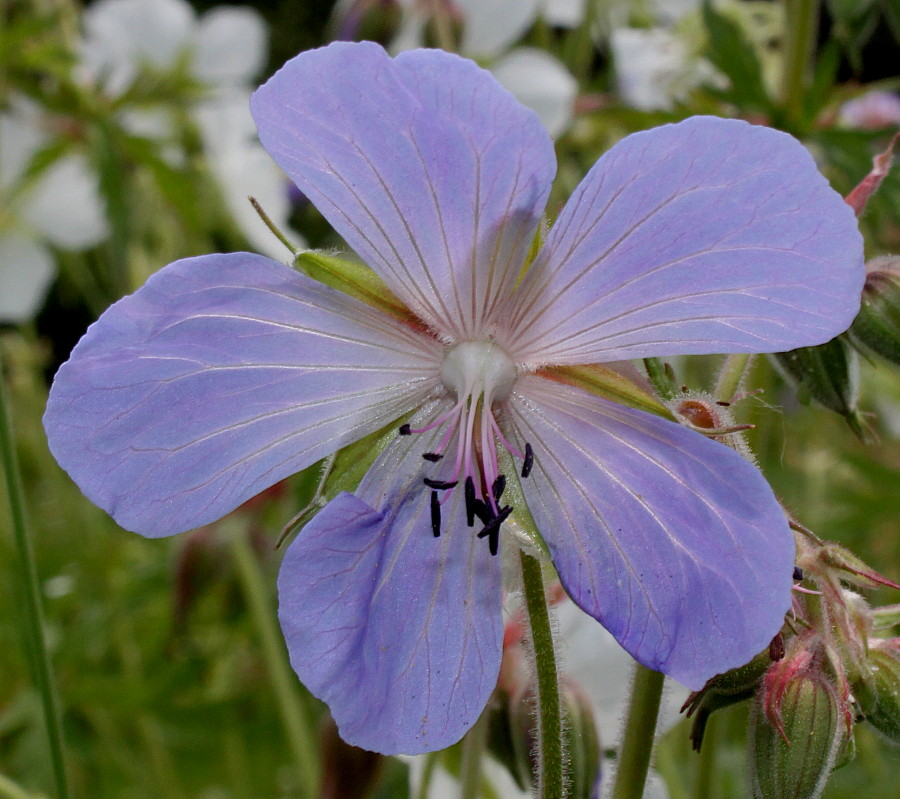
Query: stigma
[[481, 376]]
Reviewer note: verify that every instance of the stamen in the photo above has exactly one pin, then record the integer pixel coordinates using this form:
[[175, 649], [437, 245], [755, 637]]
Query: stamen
[[492, 529], [435, 515], [529, 461], [499, 433], [440, 485], [405, 430], [432, 456], [470, 501], [483, 511], [498, 487]]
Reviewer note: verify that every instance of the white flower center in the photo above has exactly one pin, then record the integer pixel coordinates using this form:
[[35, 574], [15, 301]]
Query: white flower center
[[479, 373], [479, 368]]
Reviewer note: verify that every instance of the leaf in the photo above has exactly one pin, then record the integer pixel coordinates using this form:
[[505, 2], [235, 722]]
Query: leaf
[[728, 49]]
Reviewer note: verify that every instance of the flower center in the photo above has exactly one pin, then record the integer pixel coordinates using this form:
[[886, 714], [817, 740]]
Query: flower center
[[480, 374]]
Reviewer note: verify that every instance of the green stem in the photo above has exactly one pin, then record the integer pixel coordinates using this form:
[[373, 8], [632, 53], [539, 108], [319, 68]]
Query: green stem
[[294, 716], [800, 32], [640, 726], [431, 760], [706, 768], [473, 747], [551, 748], [661, 379], [730, 376], [34, 615]]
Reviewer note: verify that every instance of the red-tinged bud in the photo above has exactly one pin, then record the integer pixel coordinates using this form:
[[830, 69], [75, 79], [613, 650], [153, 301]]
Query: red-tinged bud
[[852, 569], [796, 729], [829, 374], [877, 325], [881, 165], [878, 695], [721, 691]]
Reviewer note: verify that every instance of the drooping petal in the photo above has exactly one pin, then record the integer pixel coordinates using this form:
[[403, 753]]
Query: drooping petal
[[398, 631], [221, 376], [430, 170], [675, 543], [707, 236]]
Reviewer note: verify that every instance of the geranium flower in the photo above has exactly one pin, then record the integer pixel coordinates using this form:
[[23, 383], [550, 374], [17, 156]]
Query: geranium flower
[[227, 373]]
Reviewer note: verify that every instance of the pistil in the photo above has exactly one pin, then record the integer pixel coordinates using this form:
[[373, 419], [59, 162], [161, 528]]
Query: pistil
[[479, 374]]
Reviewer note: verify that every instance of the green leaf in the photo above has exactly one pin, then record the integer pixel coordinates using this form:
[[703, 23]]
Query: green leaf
[[728, 49]]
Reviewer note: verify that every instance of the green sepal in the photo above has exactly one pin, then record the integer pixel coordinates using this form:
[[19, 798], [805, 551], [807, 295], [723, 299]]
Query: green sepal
[[353, 461], [352, 278], [521, 522], [608, 384], [723, 690], [877, 326], [829, 374]]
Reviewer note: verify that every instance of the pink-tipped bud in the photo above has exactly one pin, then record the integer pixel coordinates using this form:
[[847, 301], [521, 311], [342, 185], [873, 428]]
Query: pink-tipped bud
[[878, 695], [793, 759], [797, 726]]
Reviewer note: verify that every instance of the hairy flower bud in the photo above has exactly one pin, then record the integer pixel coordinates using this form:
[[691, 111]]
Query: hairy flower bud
[[792, 758], [512, 739], [829, 374], [877, 326], [878, 696]]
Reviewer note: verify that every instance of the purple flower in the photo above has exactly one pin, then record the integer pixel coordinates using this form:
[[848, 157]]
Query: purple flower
[[226, 373]]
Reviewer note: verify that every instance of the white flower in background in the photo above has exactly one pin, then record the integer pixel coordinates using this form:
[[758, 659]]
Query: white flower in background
[[224, 47], [223, 50], [489, 28], [59, 207], [657, 67]]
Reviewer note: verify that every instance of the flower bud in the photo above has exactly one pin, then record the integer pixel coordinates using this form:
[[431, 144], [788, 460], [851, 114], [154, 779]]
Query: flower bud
[[878, 696], [792, 757], [513, 743], [829, 374], [877, 326]]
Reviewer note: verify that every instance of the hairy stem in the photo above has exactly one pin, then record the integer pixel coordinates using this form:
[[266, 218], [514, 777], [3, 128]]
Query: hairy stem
[[660, 378], [637, 742], [34, 615], [551, 747], [730, 376]]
